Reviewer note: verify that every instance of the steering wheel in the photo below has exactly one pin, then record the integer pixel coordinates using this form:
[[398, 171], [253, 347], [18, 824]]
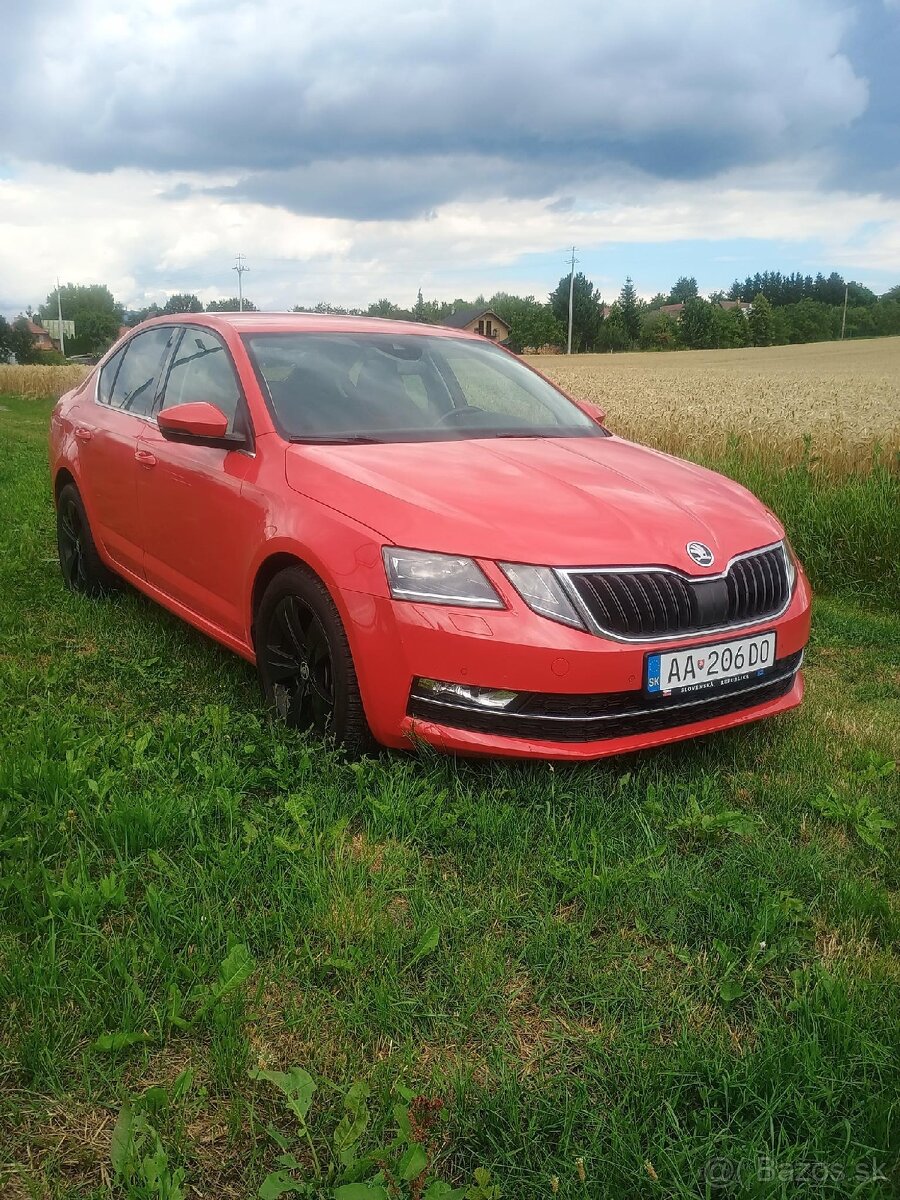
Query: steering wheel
[[459, 416]]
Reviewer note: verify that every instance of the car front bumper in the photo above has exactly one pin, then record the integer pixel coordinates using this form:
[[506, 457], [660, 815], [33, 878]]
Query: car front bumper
[[595, 683]]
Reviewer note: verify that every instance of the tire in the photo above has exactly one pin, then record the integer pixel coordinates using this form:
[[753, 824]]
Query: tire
[[82, 567], [304, 661]]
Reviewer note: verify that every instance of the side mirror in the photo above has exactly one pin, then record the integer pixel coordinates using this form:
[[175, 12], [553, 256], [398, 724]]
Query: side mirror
[[593, 410], [198, 424]]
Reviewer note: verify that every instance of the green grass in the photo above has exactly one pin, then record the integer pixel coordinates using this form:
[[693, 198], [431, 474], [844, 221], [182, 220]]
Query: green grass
[[845, 527], [669, 959]]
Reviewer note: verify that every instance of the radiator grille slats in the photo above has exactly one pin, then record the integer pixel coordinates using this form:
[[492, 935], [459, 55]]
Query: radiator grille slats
[[649, 604]]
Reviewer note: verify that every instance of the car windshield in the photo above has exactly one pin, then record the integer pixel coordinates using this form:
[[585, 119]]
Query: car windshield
[[390, 387]]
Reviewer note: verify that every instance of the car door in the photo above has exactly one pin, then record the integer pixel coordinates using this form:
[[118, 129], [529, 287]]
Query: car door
[[108, 427], [198, 531]]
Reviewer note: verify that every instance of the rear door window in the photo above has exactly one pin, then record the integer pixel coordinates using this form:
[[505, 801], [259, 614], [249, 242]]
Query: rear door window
[[135, 385]]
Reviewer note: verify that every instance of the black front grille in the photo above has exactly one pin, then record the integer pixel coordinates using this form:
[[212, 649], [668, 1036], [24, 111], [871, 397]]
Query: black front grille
[[649, 604], [563, 717]]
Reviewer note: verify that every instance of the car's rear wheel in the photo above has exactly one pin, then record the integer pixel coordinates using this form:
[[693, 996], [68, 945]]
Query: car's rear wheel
[[304, 661], [82, 567]]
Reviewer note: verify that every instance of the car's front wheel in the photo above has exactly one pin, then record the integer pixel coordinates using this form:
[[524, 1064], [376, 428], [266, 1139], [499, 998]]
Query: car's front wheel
[[82, 567], [304, 661]]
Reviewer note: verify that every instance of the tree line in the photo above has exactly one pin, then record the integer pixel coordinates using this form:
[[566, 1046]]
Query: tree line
[[782, 309]]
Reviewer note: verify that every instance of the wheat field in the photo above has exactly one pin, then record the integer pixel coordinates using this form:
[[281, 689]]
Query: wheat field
[[841, 400], [38, 383], [835, 403]]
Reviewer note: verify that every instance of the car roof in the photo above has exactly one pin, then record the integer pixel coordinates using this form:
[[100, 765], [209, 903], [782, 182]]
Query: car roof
[[274, 322]]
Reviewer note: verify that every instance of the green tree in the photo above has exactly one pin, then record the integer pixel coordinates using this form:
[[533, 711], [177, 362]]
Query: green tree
[[23, 347], [781, 328], [134, 316], [614, 334], [585, 310], [762, 328], [810, 321], [685, 289], [382, 308], [697, 326], [883, 319], [232, 304], [658, 331], [420, 310], [182, 302], [7, 340], [531, 324], [95, 312], [630, 310], [658, 301], [858, 294], [435, 311], [730, 328]]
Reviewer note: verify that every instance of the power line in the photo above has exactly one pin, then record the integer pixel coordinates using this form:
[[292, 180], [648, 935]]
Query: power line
[[240, 267], [571, 295]]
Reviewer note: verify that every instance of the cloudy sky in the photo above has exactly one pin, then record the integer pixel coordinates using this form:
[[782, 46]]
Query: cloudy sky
[[356, 149]]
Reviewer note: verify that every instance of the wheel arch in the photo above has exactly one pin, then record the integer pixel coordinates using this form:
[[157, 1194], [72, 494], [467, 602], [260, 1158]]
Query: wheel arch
[[271, 566], [63, 477]]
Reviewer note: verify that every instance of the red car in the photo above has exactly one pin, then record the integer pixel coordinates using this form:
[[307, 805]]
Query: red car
[[418, 538]]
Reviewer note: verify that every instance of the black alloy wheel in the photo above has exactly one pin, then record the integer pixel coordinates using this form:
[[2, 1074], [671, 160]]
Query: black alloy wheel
[[71, 550], [298, 662], [304, 661], [82, 568]]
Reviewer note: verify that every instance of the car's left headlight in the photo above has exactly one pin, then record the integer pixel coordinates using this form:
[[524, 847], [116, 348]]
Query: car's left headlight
[[438, 579]]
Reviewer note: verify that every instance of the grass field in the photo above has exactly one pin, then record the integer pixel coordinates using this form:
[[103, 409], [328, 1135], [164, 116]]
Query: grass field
[[668, 975]]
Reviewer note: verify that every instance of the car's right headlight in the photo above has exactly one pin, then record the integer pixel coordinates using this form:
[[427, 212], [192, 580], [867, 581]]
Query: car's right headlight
[[438, 579], [542, 591], [790, 563]]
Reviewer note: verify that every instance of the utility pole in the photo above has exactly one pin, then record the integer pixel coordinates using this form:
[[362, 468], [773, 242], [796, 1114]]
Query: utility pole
[[844, 317], [241, 267], [62, 340], [571, 297]]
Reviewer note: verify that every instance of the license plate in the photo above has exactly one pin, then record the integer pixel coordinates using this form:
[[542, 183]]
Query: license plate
[[704, 667]]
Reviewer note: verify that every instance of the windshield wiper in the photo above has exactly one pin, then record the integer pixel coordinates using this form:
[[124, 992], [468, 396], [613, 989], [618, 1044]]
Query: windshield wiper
[[335, 439]]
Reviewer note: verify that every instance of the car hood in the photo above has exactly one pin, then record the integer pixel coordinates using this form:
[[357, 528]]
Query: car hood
[[549, 501]]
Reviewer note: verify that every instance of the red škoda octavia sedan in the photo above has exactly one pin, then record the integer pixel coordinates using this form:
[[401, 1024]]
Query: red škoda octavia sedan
[[416, 537]]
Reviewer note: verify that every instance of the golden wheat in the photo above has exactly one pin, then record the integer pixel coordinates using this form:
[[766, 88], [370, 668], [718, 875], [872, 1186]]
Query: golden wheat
[[839, 402], [39, 382]]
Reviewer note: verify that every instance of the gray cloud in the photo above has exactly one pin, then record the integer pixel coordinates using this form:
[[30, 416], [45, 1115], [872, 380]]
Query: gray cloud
[[360, 110]]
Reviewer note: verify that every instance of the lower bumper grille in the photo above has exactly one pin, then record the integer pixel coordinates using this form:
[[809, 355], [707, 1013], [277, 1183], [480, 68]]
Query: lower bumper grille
[[562, 717]]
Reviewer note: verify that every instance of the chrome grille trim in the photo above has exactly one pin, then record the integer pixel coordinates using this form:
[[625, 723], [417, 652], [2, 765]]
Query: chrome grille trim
[[752, 589]]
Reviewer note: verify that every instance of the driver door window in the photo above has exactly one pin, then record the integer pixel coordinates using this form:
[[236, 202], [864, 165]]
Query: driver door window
[[201, 371]]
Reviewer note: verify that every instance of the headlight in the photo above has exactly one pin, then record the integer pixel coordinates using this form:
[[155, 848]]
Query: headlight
[[438, 579], [790, 564], [542, 592]]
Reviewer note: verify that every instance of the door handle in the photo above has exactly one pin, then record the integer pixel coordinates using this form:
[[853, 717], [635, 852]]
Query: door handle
[[145, 458], [83, 433]]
